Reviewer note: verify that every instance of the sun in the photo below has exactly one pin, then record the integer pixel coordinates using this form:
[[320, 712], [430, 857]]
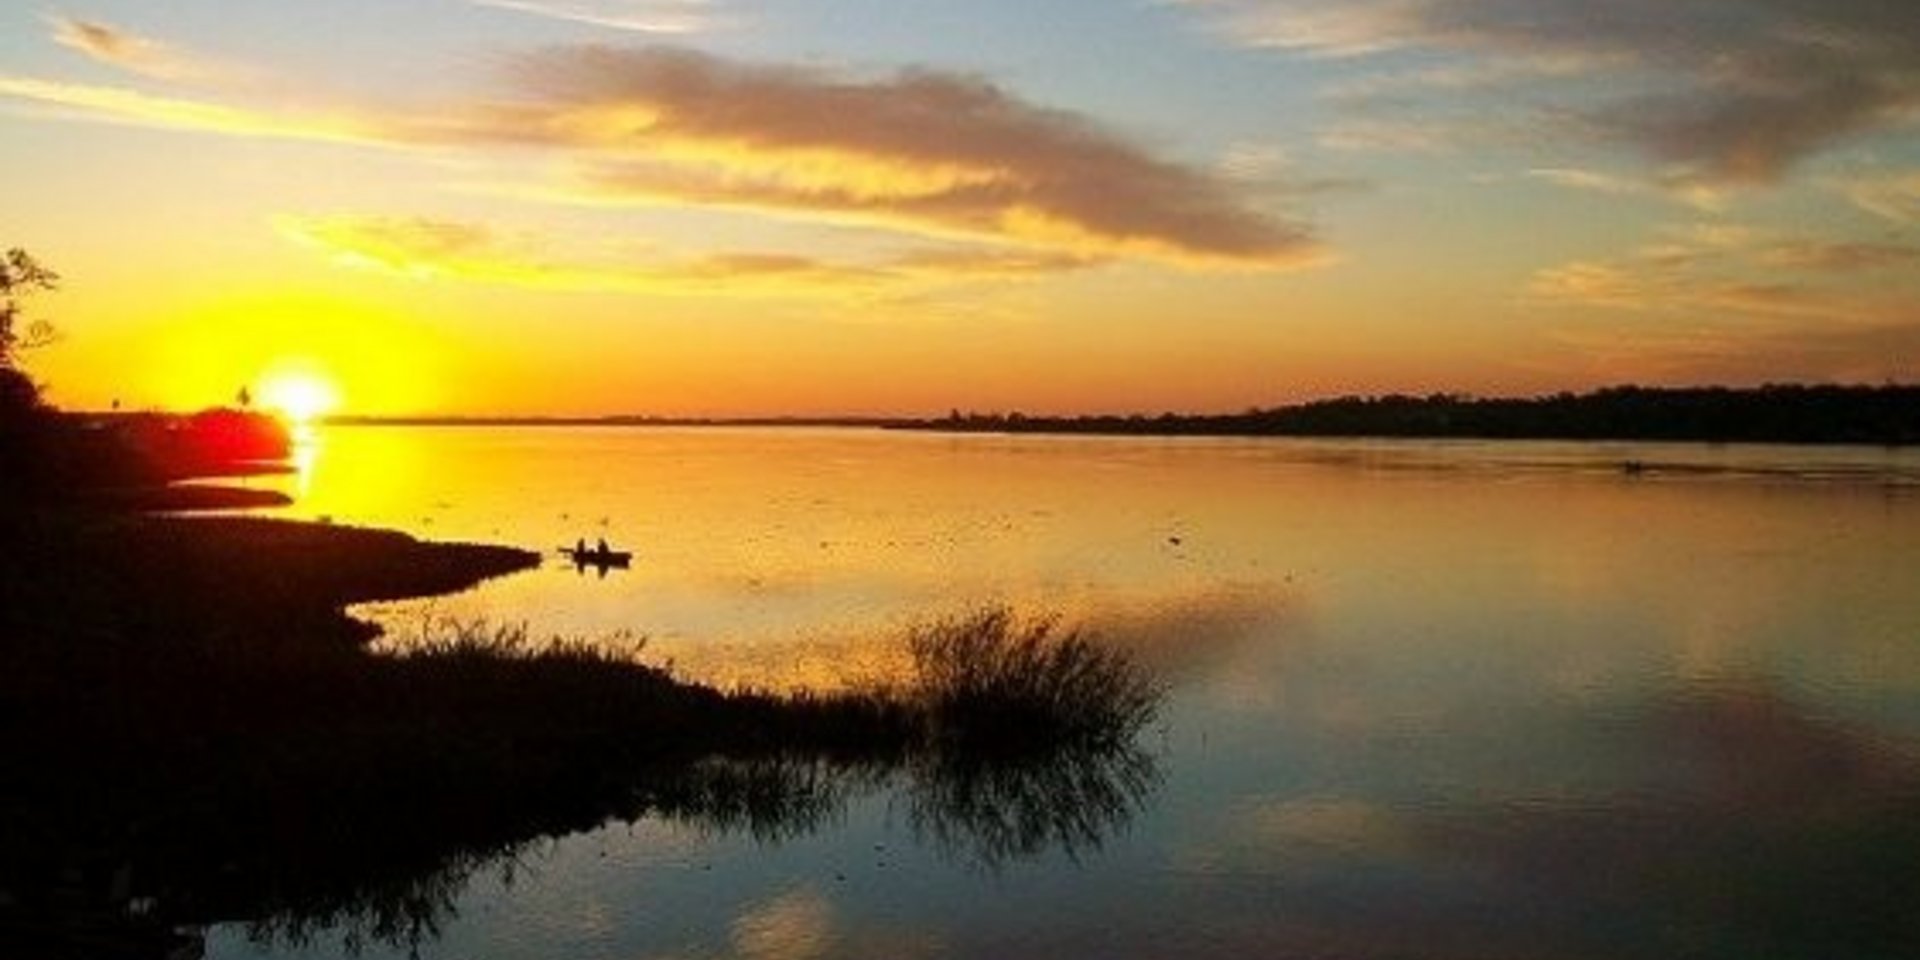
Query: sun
[[301, 395]]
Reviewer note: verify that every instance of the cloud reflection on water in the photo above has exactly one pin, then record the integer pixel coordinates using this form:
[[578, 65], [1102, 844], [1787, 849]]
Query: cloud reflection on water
[[1744, 824]]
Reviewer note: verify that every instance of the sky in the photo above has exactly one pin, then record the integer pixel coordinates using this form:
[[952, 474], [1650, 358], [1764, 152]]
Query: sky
[[875, 207]]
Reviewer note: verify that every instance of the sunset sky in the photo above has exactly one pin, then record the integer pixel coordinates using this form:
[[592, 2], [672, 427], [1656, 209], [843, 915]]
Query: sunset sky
[[723, 207]]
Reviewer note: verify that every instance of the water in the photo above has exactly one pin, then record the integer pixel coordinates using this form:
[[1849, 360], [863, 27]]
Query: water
[[1427, 699]]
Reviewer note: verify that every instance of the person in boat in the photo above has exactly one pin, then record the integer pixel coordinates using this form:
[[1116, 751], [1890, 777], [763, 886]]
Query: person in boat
[[601, 547], [579, 545]]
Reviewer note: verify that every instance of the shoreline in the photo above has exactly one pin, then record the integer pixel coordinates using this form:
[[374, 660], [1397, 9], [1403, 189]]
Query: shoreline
[[189, 576], [198, 733], [1789, 413]]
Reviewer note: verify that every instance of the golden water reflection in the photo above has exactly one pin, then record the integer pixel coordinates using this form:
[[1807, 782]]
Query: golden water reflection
[[780, 556], [305, 456], [1428, 699]]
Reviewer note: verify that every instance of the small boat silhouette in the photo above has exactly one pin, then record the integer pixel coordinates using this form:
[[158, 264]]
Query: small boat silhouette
[[597, 556]]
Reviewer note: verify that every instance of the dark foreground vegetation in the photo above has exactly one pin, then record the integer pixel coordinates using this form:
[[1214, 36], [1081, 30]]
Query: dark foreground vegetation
[[1884, 415], [195, 733], [151, 461]]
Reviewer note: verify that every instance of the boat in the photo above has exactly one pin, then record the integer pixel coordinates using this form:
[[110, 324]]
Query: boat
[[597, 556]]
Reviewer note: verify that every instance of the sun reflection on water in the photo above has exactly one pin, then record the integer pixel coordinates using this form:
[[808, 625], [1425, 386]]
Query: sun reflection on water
[[304, 456]]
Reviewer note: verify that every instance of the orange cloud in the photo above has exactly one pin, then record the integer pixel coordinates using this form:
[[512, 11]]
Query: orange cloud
[[920, 149], [121, 105], [919, 152], [427, 248], [1840, 257], [1717, 353], [1717, 275]]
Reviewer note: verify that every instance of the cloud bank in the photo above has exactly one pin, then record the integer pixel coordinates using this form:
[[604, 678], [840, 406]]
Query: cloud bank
[[1726, 91], [922, 152]]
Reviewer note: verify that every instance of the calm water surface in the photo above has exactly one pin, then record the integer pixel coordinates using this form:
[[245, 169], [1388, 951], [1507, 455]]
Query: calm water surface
[[1427, 699]]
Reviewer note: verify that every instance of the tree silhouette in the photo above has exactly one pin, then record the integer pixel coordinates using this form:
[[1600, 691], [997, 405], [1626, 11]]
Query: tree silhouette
[[24, 423], [20, 276]]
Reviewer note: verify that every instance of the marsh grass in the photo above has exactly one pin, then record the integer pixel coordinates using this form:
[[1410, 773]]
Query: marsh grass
[[454, 640], [988, 682], [991, 680]]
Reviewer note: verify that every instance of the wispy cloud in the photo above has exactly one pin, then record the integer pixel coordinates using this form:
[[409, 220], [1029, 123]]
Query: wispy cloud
[[1840, 257], [1696, 195], [130, 51], [1719, 353], [1730, 316], [1464, 76], [1730, 92], [1893, 196], [1727, 272], [1394, 135], [1578, 179], [428, 248], [1257, 169], [425, 248], [639, 16], [123, 105], [919, 151]]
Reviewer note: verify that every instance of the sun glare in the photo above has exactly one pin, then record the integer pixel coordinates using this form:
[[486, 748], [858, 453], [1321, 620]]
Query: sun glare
[[301, 396]]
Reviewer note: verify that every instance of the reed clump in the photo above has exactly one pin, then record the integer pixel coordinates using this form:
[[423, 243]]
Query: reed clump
[[988, 681], [992, 680]]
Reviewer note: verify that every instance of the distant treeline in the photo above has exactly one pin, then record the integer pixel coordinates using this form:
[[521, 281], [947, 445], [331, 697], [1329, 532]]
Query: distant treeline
[[1789, 413]]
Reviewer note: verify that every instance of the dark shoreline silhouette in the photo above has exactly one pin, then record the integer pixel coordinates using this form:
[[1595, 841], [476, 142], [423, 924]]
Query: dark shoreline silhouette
[[196, 733], [1886, 415], [1791, 413], [139, 461]]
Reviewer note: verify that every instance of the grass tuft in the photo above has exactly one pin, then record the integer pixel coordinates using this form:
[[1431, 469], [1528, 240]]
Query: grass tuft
[[455, 640], [991, 680]]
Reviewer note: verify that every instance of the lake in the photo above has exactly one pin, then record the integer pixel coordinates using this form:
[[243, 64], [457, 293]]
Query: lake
[[1442, 699]]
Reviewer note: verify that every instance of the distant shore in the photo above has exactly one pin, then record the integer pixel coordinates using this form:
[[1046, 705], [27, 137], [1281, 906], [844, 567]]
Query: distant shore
[[1788, 413], [1880, 416]]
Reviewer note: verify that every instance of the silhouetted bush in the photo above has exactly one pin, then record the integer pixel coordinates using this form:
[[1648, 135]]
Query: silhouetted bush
[[991, 680]]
